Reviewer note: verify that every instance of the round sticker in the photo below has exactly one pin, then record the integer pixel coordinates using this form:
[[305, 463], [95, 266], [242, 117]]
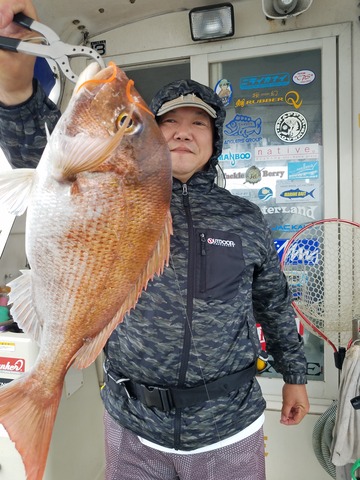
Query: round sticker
[[224, 89], [303, 77], [265, 194], [291, 127]]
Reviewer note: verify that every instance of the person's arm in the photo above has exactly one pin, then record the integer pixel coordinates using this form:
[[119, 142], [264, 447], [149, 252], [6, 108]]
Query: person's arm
[[24, 106], [273, 310], [16, 70]]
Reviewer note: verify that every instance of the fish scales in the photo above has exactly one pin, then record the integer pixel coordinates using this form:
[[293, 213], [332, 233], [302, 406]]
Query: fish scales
[[98, 229]]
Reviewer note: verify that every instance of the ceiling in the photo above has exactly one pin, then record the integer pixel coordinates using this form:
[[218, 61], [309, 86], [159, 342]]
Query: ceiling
[[99, 16]]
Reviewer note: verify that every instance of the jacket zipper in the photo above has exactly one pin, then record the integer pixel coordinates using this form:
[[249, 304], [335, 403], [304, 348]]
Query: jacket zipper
[[189, 311], [203, 262]]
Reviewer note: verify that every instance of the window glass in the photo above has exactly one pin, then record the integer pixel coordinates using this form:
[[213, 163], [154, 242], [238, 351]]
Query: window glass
[[150, 78], [272, 150]]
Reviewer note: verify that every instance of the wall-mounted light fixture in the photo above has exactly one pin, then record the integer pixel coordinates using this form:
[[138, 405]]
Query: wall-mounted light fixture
[[214, 21], [278, 9]]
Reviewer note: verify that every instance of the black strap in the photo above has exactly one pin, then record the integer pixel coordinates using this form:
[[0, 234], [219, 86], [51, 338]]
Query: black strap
[[166, 399]]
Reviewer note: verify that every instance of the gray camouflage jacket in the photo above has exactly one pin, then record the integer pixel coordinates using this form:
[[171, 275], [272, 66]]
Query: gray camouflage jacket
[[197, 321]]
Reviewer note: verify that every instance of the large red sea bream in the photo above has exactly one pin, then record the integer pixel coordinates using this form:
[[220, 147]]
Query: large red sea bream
[[98, 229]]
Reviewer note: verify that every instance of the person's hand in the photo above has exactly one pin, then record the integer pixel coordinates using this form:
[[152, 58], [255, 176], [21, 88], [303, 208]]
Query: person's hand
[[16, 69], [295, 404]]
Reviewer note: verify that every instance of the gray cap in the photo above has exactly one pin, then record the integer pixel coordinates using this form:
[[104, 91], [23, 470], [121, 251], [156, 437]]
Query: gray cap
[[189, 100]]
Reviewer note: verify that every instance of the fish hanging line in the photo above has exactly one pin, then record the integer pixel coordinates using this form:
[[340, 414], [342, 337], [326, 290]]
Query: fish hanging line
[[194, 344]]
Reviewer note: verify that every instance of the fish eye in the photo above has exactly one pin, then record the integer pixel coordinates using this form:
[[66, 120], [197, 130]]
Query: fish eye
[[132, 126]]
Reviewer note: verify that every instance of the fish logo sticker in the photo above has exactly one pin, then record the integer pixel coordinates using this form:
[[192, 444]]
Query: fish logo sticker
[[303, 77], [243, 126], [296, 193], [291, 127], [301, 192]]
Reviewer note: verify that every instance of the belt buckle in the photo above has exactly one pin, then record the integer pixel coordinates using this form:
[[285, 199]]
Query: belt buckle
[[153, 394]]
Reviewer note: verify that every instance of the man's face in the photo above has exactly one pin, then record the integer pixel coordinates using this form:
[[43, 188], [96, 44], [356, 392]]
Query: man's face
[[189, 134]]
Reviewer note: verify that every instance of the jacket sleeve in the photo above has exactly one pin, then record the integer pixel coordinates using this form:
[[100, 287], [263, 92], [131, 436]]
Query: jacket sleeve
[[22, 128], [274, 312]]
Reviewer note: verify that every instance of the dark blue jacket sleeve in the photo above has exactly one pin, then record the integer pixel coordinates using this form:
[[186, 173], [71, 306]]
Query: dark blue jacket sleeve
[[22, 128]]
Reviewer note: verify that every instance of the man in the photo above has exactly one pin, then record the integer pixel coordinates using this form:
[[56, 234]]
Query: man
[[181, 397]]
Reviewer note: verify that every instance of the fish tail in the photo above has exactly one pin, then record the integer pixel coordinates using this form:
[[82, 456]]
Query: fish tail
[[29, 423]]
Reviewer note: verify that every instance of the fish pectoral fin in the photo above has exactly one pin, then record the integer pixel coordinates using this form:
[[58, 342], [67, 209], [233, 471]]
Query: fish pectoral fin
[[22, 310], [15, 189], [81, 153]]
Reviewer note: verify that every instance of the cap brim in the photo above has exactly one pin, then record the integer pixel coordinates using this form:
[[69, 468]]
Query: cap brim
[[190, 100]]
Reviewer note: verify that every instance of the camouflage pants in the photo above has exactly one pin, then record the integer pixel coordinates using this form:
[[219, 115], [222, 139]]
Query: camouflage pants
[[128, 459]]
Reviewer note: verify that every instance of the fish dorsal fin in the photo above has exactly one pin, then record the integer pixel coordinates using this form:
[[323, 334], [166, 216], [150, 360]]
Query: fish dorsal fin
[[15, 189], [73, 155], [22, 310], [160, 257]]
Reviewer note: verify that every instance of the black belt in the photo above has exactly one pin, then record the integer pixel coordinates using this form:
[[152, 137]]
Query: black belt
[[166, 399]]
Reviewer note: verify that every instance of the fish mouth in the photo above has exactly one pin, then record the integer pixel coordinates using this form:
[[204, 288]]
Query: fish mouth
[[93, 75]]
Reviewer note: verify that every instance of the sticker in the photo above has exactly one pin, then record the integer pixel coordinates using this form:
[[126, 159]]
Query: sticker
[[253, 175], [234, 157], [7, 346], [288, 227], [287, 152], [265, 194], [307, 211], [293, 98], [99, 46], [270, 98], [303, 170], [265, 81], [280, 245], [270, 173], [303, 192], [303, 252], [243, 126], [12, 365], [291, 127], [296, 193], [225, 91], [303, 77]]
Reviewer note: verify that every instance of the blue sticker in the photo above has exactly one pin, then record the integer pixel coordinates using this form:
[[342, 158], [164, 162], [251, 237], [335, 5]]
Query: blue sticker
[[303, 170], [289, 227], [303, 252], [265, 194], [264, 81], [280, 245], [297, 193], [243, 126]]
